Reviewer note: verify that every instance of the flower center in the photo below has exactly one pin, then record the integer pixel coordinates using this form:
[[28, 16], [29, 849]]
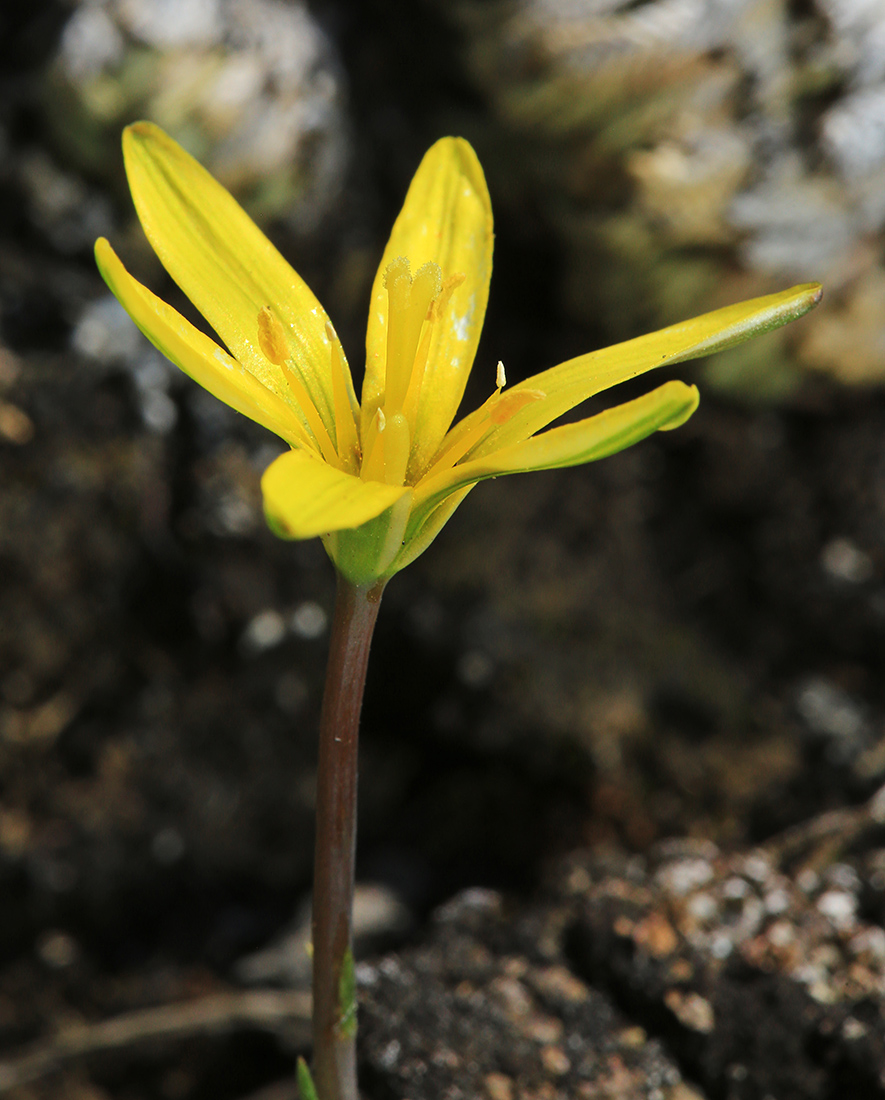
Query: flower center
[[415, 303]]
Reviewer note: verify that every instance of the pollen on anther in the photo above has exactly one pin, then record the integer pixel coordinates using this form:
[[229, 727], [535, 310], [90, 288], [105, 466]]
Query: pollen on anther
[[272, 336], [500, 376], [509, 404]]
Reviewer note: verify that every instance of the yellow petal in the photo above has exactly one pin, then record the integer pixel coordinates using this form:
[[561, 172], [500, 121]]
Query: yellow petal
[[446, 219], [305, 497], [599, 436], [225, 264], [573, 382], [568, 445], [197, 354]]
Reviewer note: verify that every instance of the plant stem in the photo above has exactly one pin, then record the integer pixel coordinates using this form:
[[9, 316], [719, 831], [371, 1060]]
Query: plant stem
[[334, 1035]]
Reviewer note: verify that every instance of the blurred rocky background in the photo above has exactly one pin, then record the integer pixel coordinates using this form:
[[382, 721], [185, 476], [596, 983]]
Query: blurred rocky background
[[694, 151], [687, 640]]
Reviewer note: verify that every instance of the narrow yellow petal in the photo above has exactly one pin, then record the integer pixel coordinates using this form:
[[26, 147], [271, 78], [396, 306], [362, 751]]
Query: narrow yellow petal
[[305, 497], [197, 354], [225, 264], [568, 445], [573, 382], [447, 220], [663, 409]]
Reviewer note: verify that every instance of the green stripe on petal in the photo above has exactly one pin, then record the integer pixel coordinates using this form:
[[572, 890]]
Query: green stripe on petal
[[196, 353], [305, 497], [572, 382], [599, 436], [446, 219], [225, 264], [568, 445]]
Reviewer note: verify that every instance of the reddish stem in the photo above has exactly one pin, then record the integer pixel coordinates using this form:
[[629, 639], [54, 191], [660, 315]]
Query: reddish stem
[[334, 1046]]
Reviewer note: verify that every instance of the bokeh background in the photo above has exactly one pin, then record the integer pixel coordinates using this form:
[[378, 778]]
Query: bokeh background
[[687, 639]]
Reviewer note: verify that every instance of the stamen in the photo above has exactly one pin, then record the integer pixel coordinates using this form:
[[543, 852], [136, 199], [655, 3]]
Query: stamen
[[372, 468], [509, 404], [465, 434], [409, 301], [450, 285], [501, 376], [346, 437], [272, 336], [387, 449], [272, 341], [410, 405], [397, 443], [462, 439], [435, 311]]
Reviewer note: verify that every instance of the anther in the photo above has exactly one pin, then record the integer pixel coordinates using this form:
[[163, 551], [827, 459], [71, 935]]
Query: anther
[[272, 341], [272, 336], [463, 438], [509, 404]]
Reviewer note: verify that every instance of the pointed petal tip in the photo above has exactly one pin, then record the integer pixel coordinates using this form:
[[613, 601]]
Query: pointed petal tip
[[105, 259], [226, 265], [143, 128], [693, 399], [145, 137], [808, 294], [459, 151], [454, 144], [446, 218]]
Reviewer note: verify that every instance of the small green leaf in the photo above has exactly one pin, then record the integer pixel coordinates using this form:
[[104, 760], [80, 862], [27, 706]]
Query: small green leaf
[[347, 997], [306, 1088]]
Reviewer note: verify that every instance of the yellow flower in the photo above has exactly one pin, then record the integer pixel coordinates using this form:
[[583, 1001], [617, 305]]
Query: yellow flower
[[378, 478]]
